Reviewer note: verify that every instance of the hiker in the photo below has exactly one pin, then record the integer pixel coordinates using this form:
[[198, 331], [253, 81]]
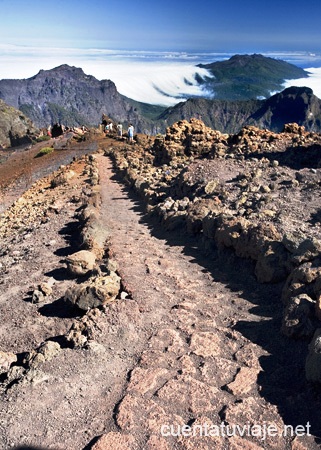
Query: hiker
[[130, 133], [120, 130]]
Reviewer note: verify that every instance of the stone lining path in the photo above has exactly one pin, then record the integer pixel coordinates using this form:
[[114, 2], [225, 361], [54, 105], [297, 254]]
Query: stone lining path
[[194, 366], [195, 342]]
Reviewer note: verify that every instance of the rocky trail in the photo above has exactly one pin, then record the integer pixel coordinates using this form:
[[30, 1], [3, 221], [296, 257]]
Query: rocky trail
[[191, 339]]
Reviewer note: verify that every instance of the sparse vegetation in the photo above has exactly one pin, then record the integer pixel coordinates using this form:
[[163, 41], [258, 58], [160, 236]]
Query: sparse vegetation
[[43, 138], [44, 151]]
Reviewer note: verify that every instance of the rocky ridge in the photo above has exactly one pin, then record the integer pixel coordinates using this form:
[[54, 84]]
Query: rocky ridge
[[245, 77], [67, 95], [294, 104]]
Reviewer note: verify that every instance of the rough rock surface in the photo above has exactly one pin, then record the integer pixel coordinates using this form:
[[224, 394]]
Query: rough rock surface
[[81, 263], [192, 338], [256, 192], [67, 95], [294, 104], [15, 127]]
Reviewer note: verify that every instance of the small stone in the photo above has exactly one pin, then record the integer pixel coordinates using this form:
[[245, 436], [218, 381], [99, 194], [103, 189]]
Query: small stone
[[114, 441], [244, 381], [45, 288], [211, 187], [38, 296], [49, 349], [6, 359]]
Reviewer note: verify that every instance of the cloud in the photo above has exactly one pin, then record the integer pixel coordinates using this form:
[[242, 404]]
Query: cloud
[[153, 77], [313, 82]]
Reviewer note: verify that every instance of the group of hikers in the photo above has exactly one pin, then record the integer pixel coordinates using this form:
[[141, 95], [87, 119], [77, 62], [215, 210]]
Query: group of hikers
[[109, 129]]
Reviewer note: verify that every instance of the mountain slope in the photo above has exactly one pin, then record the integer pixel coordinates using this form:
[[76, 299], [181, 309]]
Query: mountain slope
[[294, 104], [67, 95], [245, 77], [15, 127]]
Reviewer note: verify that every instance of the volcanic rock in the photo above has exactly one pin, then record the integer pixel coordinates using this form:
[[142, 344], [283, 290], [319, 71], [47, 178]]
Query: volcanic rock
[[6, 359], [81, 263], [313, 361], [95, 292], [15, 127]]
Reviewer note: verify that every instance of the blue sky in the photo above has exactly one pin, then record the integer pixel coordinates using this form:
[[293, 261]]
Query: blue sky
[[152, 47], [208, 25]]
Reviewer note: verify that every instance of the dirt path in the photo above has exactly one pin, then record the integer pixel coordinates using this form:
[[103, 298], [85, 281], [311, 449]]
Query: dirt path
[[208, 333], [195, 342]]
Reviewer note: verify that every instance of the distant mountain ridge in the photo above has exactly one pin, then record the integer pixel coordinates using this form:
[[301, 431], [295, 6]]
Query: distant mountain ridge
[[294, 104], [247, 77], [67, 95]]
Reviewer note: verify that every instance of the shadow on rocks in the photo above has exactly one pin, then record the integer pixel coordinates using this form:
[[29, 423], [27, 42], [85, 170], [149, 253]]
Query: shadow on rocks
[[281, 381], [27, 447], [71, 234], [61, 309], [295, 157]]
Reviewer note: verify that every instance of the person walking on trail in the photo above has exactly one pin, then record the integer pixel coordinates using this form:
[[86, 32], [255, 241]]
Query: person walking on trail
[[130, 133], [120, 130]]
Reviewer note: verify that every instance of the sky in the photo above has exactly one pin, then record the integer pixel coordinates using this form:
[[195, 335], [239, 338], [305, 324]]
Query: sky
[[144, 45], [208, 25]]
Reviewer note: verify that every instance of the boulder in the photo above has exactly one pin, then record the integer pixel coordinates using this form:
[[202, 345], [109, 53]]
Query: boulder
[[81, 263], [96, 292], [45, 352], [271, 264], [299, 317], [308, 250]]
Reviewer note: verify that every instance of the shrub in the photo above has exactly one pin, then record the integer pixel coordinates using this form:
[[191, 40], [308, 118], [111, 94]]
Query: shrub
[[44, 151], [43, 138]]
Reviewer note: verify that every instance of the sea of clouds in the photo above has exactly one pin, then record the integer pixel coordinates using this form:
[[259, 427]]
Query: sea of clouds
[[163, 78]]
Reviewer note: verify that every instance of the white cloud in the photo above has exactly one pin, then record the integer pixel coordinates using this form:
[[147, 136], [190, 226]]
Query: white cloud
[[152, 77], [313, 82]]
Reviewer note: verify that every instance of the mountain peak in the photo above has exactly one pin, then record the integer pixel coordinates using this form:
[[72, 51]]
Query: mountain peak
[[247, 77], [62, 70]]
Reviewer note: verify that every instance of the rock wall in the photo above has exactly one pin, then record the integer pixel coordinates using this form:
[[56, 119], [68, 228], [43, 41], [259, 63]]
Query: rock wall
[[247, 192]]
